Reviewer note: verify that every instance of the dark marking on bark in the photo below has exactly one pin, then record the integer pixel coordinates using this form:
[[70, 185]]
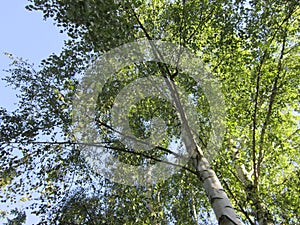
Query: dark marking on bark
[[213, 199]]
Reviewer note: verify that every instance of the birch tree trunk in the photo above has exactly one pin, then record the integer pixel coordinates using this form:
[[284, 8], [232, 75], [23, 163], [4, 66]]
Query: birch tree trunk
[[218, 199]]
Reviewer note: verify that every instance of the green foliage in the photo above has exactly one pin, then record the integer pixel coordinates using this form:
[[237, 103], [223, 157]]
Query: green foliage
[[253, 49], [19, 219]]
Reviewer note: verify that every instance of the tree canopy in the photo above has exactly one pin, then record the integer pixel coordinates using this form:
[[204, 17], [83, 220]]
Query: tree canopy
[[250, 47]]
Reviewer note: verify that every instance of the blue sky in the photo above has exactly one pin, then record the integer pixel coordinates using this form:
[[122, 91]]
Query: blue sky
[[24, 34]]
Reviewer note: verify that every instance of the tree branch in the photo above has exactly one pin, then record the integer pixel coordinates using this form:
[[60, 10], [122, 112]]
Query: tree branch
[[269, 112], [136, 153]]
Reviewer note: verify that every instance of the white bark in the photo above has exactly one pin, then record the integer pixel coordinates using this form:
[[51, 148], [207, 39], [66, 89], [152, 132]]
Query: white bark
[[220, 203]]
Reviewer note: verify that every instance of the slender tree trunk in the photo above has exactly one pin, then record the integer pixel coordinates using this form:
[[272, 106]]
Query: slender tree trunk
[[263, 217], [219, 200]]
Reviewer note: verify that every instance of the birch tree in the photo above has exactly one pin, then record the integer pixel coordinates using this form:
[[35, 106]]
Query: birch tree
[[251, 48]]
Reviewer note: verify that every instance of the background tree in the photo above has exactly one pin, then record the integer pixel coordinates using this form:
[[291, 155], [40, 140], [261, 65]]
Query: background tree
[[253, 49]]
